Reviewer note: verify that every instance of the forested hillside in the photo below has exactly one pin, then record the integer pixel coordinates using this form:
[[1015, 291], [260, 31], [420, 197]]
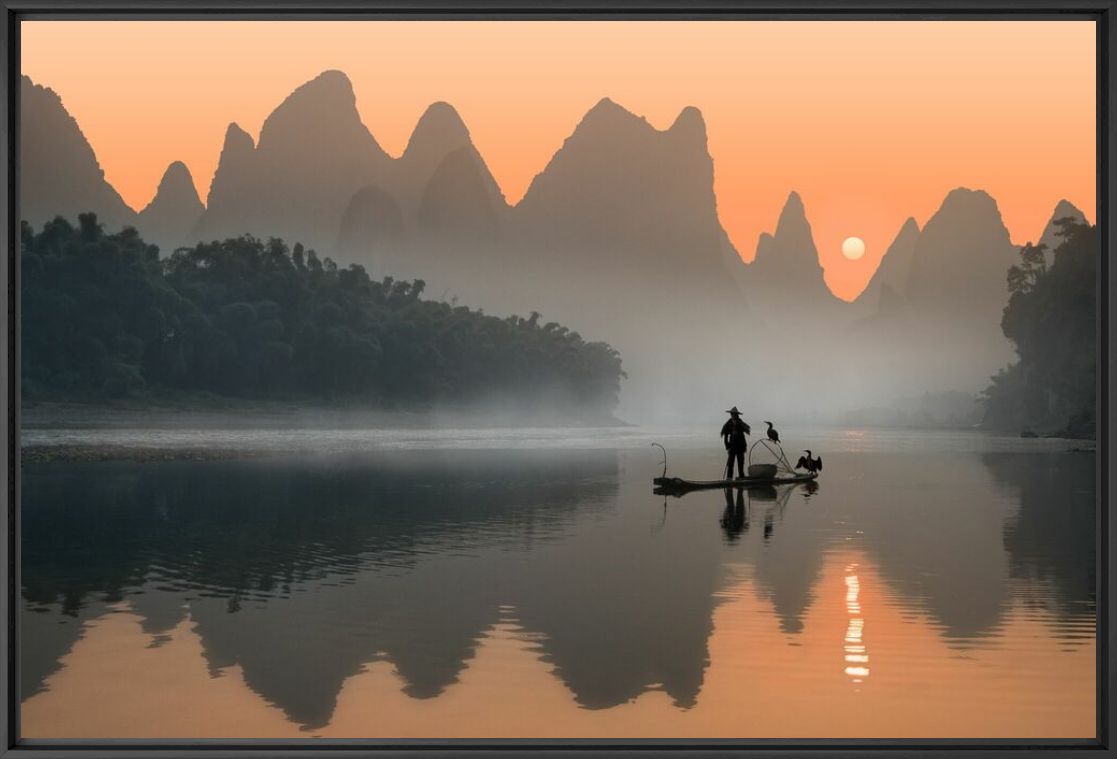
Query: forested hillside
[[104, 317], [1050, 318]]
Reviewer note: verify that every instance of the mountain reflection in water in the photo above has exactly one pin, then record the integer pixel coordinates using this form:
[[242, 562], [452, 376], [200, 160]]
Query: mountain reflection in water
[[306, 574]]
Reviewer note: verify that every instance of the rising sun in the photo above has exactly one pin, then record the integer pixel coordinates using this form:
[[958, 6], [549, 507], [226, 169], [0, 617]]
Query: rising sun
[[853, 248]]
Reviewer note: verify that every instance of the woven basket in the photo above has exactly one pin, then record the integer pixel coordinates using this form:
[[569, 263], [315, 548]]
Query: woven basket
[[762, 471]]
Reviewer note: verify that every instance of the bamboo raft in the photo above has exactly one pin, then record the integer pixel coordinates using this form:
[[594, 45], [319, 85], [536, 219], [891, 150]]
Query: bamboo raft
[[760, 476], [679, 485]]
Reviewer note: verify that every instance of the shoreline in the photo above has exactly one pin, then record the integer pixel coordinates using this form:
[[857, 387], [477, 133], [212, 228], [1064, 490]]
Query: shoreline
[[78, 453], [281, 415]]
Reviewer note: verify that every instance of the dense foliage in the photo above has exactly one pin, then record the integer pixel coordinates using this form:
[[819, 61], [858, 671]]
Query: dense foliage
[[1050, 317], [104, 317]]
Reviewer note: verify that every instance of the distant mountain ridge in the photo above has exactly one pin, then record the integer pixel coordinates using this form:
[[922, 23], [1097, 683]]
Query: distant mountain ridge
[[618, 236], [313, 154], [938, 326]]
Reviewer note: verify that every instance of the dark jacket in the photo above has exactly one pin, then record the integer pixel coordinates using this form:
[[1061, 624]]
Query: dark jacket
[[733, 434]]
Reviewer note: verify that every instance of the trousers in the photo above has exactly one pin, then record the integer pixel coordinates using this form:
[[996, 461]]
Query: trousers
[[737, 456]]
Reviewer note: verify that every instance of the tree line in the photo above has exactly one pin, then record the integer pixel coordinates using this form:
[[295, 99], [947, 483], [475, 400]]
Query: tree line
[[1050, 318], [103, 316]]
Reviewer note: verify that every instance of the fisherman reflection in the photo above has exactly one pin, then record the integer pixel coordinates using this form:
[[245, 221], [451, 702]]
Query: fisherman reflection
[[735, 519], [775, 500]]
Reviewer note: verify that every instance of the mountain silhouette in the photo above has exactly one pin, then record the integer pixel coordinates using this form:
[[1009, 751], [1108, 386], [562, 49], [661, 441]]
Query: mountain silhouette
[[889, 284], [59, 173], [439, 132], [460, 197], [372, 231], [786, 280], [962, 257], [622, 203], [790, 255], [169, 219], [230, 192], [1064, 209], [942, 331], [623, 215], [646, 194], [312, 156], [435, 216], [618, 237]]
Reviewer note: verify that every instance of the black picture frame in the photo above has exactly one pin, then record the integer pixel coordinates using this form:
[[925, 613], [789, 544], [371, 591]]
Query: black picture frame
[[1101, 11]]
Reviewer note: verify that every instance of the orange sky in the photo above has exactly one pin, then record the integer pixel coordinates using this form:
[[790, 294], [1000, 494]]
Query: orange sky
[[870, 121]]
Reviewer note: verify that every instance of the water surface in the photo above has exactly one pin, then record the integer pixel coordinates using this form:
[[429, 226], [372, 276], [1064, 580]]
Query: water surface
[[528, 583]]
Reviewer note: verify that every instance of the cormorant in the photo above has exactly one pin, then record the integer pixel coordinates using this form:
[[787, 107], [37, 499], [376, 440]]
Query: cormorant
[[772, 434], [811, 465]]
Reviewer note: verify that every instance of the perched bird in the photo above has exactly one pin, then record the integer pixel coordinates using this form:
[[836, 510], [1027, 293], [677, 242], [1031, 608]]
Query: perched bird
[[772, 434], [812, 465]]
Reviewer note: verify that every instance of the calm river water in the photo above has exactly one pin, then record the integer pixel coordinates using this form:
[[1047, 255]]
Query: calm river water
[[528, 583]]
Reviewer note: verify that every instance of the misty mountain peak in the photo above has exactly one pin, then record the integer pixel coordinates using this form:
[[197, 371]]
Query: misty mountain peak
[[961, 257], [461, 197], [330, 88], [42, 91], [607, 114], [966, 202], [889, 284], [690, 126], [1065, 208], [178, 183], [323, 110], [440, 130], [1050, 235], [237, 141], [785, 279], [793, 225], [236, 152], [903, 243], [312, 155], [235, 166], [790, 253], [60, 173], [963, 205], [174, 211]]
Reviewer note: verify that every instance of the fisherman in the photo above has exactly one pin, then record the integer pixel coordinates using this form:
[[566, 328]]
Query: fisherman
[[733, 435]]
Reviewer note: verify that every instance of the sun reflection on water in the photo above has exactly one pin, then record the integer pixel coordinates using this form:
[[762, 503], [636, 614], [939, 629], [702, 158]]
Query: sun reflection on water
[[856, 655]]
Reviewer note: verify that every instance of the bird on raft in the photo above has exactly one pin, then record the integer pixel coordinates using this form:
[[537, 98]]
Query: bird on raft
[[773, 435], [811, 465]]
